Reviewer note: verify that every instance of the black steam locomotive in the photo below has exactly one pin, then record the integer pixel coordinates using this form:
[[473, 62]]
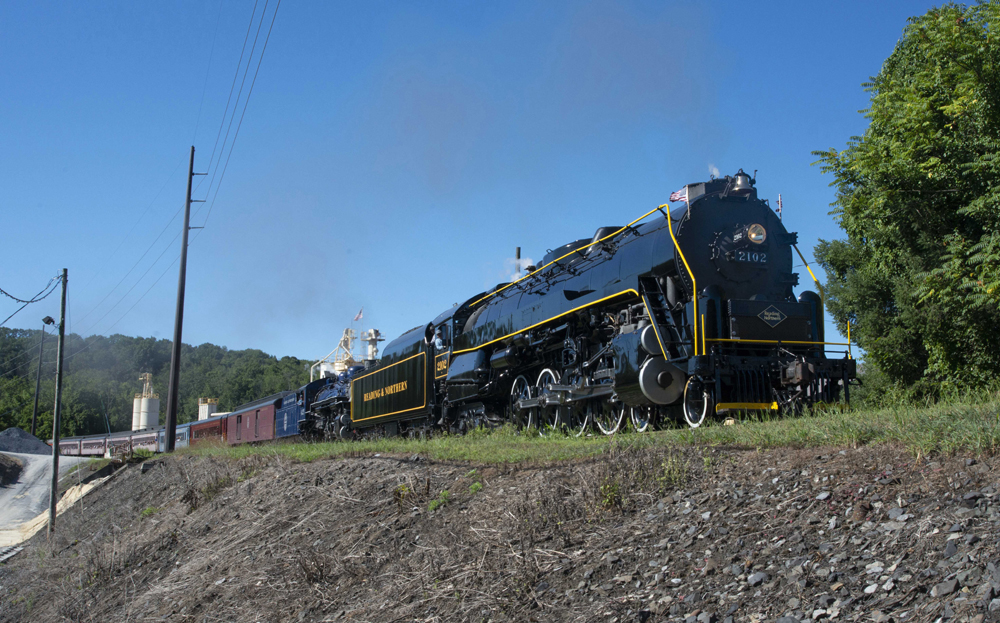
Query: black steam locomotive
[[685, 316]]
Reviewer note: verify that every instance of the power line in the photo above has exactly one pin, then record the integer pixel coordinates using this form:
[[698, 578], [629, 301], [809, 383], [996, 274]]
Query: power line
[[137, 262], [138, 281], [231, 87], [174, 217], [35, 299], [51, 286], [208, 70], [245, 104], [239, 93], [124, 238], [92, 342]]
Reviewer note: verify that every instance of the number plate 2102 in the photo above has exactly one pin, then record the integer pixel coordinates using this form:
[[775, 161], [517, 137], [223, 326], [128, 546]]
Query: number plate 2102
[[755, 257]]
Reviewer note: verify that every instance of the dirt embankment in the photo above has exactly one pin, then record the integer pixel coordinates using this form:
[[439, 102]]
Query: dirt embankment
[[10, 469], [695, 535]]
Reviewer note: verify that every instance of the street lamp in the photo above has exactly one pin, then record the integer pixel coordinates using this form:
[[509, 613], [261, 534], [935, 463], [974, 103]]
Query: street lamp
[[38, 377]]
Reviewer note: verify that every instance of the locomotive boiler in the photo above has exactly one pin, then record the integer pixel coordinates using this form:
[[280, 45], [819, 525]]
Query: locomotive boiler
[[680, 315]]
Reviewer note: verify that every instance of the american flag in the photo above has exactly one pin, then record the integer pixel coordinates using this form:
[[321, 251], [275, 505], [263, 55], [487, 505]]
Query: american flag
[[779, 207], [358, 317], [679, 195]]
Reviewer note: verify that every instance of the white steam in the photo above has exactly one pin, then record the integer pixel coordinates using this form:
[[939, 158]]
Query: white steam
[[511, 267], [713, 170]]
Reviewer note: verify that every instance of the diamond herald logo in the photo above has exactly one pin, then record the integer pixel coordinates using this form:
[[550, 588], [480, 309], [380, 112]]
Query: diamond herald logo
[[772, 316]]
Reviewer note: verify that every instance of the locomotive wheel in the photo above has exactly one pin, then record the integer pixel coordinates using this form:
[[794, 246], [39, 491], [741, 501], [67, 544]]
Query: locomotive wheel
[[550, 417], [698, 402], [608, 416], [642, 418], [520, 390]]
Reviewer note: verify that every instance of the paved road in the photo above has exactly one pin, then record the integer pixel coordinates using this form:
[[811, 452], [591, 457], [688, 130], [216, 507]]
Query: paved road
[[29, 496]]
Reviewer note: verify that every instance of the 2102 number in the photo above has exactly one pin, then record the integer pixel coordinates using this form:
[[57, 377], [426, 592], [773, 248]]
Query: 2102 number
[[751, 256]]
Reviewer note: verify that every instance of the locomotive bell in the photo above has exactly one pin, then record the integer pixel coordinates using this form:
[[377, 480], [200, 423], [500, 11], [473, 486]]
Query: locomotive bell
[[742, 185]]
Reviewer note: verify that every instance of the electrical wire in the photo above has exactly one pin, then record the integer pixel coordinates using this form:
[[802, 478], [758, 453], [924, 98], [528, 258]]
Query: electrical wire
[[239, 94], [51, 287], [137, 262], [126, 237], [245, 104], [138, 281], [212, 157], [122, 317], [225, 112], [35, 299], [208, 71]]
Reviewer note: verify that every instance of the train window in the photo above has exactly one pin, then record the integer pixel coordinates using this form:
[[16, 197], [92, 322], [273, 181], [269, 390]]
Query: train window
[[256, 427], [239, 426]]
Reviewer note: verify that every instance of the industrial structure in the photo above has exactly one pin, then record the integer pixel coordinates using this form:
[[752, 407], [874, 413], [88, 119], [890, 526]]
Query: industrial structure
[[146, 405], [343, 357], [206, 407]]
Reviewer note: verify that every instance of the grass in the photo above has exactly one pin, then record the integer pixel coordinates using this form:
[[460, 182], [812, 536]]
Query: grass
[[92, 465], [442, 500], [966, 426]]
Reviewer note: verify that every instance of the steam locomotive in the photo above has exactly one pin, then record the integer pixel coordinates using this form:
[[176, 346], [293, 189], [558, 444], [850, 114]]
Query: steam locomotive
[[680, 315]]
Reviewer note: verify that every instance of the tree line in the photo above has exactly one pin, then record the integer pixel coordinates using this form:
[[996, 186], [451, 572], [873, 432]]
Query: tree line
[[918, 197], [101, 378]]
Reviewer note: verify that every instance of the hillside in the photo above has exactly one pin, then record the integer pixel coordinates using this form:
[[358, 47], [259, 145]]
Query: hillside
[[635, 534], [102, 377]]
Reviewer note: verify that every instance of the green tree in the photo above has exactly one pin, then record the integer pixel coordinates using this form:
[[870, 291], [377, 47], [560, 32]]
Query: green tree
[[918, 196], [101, 377]]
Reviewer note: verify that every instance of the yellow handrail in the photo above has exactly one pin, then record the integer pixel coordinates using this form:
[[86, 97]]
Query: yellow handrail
[[694, 284], [822, 295], [726, 339], [580, 250], [703, 348]]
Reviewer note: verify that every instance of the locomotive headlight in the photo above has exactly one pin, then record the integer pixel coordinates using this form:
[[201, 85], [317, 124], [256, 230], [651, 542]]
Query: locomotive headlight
[[757, 234]]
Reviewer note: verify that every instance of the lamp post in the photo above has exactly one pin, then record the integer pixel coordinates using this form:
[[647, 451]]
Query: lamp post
[[38, 377]]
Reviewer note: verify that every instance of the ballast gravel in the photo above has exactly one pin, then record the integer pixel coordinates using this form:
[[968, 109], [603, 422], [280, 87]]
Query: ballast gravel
[[21, 442]]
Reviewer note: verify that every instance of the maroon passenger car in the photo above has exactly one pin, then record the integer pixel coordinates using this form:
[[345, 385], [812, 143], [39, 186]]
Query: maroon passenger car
[[253, 421]]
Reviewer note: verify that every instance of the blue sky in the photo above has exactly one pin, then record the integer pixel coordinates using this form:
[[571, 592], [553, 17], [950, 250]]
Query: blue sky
[[392, 154]]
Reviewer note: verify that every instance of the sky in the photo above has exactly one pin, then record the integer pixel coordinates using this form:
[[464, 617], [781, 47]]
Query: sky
[[391, 155]]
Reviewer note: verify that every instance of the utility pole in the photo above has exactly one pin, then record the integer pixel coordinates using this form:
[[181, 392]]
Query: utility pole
[[57, 410], [38, 377], [175, 351]]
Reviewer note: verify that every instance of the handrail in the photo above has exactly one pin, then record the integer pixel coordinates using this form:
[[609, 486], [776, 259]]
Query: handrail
[[726, 339], [694, 285], [703, 348], [822, 295], [580, 250]]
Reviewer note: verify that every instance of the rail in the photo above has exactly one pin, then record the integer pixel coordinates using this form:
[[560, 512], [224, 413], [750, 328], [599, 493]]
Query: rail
[[726, 339], [694, 284], [562, 257], [822, 294]]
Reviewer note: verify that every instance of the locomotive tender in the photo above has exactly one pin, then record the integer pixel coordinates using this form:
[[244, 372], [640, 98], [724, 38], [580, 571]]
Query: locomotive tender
[[684, 316]]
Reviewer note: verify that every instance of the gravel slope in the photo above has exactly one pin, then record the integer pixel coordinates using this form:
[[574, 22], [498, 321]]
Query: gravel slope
[[20, 442], [695, 535]]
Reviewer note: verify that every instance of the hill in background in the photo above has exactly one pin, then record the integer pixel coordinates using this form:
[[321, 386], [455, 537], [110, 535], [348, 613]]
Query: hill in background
[[102, 377]]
